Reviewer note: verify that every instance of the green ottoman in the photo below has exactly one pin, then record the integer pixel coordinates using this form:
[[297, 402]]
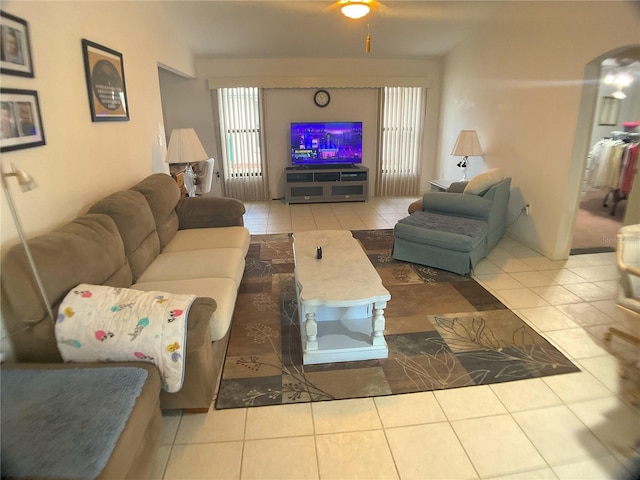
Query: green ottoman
[[447, 242]]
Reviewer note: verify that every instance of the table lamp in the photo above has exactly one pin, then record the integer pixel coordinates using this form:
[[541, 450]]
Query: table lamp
[[466, 145], [185, 148]]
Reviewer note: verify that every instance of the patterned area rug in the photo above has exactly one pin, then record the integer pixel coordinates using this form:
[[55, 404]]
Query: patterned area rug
[[443, 331]]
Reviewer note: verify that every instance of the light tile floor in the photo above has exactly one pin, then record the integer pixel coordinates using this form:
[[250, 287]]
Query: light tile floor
[[574, 426]]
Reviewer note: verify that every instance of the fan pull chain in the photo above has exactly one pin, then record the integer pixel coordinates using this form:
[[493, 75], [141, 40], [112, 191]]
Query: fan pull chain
[[367, 45]]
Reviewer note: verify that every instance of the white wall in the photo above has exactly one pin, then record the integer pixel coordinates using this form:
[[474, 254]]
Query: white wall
[[83, 161], [284, 105], [190, 103], [519, 83], [187, 103]]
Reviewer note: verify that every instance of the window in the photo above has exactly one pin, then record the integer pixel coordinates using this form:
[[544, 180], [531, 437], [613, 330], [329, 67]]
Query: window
[[243, 167], [402, 125]]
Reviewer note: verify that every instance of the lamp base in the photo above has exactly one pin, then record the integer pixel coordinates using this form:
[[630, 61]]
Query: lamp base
[[190, 180], [463, 165]]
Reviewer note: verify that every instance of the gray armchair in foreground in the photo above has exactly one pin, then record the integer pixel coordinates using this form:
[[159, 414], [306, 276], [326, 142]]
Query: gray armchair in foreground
[[628, 258], [624, 342]]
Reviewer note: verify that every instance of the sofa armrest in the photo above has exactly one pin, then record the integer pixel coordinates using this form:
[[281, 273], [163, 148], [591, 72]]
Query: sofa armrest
[[206, 212], [198, 320], [457, 187], [459, 204]]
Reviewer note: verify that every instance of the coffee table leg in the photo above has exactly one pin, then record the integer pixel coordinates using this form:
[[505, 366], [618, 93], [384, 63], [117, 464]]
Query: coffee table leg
[[377, 323], [311, 328]]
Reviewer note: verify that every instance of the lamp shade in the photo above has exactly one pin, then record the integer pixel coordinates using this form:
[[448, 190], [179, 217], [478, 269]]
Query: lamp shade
[[25, 180], [185, 147], [467, 144]]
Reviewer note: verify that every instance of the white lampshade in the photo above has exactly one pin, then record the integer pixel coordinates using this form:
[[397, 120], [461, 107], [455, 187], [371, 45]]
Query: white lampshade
[[355, 8], [467, 144], [185, 147]]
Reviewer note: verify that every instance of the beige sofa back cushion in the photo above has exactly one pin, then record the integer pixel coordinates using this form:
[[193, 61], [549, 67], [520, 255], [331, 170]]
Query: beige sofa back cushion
[[162, 194], [88, 249], [132, 215]]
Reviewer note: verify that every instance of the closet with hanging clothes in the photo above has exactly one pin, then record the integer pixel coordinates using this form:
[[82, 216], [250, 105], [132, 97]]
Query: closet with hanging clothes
[[612, 164]]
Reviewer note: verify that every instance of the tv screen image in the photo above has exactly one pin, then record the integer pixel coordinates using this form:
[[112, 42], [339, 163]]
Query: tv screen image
[[326, 143]]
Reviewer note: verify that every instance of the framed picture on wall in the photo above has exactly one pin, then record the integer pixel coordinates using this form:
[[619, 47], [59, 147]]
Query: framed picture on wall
[[21, 120], [104, 71], [609, 111], [15, 46]]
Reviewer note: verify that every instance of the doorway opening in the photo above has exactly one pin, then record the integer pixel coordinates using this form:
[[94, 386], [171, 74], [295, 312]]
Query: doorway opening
[[611, 162]]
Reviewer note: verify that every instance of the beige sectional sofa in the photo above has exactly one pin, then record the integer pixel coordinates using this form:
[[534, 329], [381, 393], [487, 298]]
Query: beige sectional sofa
[[145, 238]]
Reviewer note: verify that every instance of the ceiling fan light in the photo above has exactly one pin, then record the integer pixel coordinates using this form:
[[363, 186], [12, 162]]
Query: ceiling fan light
[[355, 9], [623, 80], [619, 94]]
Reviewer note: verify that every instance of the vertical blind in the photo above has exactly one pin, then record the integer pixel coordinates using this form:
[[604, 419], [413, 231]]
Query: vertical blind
[[402, 125], [242, 143]]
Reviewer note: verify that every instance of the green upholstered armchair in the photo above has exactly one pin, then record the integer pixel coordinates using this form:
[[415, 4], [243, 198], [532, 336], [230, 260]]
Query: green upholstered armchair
[[453, 231]]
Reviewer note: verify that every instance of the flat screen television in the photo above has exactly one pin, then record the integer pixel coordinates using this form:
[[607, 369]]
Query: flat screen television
[[326, 143]]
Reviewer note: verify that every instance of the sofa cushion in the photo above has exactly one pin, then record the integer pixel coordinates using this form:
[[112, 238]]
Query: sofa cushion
[[70, 404], [88, 249], [444, 231], [219, 262], [162, 194], [136, 445], [484, 181], [131, 213], [205, 238], [223, 290]]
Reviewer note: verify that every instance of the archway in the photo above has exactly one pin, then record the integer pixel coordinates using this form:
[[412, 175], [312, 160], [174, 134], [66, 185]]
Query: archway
[[584, 137]]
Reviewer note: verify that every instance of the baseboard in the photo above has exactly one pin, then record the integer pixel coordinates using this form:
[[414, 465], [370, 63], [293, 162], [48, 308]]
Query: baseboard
[[582, 251]]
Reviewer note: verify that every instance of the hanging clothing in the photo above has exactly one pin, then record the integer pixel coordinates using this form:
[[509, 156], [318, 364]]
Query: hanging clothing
[[629, 169], [612, 164]]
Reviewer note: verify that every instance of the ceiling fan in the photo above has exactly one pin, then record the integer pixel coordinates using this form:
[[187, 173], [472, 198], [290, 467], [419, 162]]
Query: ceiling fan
[[356, 8]]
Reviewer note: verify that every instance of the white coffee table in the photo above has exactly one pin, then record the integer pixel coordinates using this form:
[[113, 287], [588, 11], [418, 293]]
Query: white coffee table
[[341, 299]]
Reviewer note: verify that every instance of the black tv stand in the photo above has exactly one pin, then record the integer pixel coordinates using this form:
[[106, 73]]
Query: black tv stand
[[327, 183]]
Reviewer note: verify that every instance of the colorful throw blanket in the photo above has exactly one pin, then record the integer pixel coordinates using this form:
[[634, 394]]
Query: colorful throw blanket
[[105, 324]]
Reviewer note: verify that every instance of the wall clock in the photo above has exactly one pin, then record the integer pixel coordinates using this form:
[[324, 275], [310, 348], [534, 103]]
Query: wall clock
[[321, 98]]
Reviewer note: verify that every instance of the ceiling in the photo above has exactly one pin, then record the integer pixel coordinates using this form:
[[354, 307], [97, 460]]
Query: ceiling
[[317, 29]]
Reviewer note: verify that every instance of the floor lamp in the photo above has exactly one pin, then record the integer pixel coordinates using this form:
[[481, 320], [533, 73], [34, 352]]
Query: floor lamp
[[26, 183]]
